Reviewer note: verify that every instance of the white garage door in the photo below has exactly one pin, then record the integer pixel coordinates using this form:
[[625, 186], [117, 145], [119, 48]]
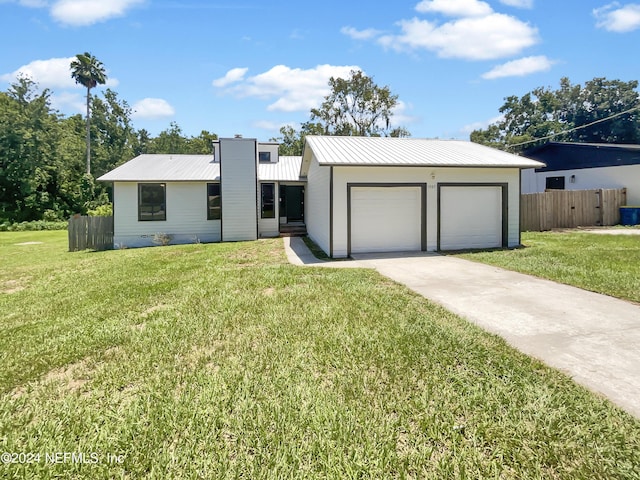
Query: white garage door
[[386, 219], [470, 217]]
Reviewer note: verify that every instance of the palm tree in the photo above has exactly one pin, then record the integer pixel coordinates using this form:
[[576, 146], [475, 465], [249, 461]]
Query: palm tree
[[88, 71]]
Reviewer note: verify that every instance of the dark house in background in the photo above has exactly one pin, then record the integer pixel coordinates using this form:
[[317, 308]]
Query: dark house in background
[[583, 166]]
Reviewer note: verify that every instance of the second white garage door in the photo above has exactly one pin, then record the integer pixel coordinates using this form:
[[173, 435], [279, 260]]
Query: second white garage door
[[386, 219], [470, 217]]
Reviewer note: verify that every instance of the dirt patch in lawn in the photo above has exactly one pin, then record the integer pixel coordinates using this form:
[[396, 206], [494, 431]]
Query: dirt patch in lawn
[[13, 286], [70, 378], [154, 308]]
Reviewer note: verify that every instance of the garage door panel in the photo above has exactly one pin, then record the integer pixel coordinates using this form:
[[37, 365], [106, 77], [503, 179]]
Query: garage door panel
[[386, 219], [470, 217]]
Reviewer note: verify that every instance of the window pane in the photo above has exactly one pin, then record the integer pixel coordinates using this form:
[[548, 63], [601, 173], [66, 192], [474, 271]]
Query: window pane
[[214, 206], [268, 205], [264, 156], [151, 202]]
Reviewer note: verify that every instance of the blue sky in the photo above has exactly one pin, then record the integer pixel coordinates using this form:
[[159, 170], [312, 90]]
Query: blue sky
[[250, 66]]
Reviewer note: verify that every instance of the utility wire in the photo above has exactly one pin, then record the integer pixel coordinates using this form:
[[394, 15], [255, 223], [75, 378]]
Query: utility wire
[[575, 128]]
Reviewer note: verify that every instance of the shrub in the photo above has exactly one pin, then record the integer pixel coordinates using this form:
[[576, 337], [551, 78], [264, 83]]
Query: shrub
[[163, 239], [51, 216], [32, 226], [105, 210]]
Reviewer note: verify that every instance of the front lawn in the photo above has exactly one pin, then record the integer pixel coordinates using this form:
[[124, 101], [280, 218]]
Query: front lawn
[[608, 264], [224, 361]]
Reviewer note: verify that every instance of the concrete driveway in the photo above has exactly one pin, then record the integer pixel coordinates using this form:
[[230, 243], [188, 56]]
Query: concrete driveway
[[593, 338]]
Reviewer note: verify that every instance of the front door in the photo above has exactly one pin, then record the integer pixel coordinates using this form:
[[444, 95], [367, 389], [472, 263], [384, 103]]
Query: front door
[[293, 196]]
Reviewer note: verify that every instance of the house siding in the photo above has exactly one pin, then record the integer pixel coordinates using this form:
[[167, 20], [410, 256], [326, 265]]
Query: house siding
[[186, 218], [430, 176], [238, 168], [624, 176], [317, 204]]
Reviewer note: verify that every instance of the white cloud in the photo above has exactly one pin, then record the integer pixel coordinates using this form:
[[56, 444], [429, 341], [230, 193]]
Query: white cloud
[[232, 76], [51, 73], [356, 34], [81, 12], [54, 73], [476, 38], [455, 8], [87, 12], [111, 82], [152, 108], [520, 68], [401, 116], [294, 89], [267, 125], [69, 101], [619, 19], [467, 129], [518, 3]]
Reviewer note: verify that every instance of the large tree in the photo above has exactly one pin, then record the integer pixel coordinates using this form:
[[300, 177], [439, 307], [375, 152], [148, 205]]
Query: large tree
[[604, 111], [292, 141], [38, 152], [112, 132], [89, 72], [356, 106], [172, 140]]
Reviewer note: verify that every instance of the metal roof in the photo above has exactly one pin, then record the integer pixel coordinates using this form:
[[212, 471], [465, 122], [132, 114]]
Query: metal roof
[[391, 151], [560, 156], [164, 168], [176, 168], [286, 169]]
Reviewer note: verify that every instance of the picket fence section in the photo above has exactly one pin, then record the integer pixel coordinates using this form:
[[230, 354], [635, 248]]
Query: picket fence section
[[571, 208], [93, 233]]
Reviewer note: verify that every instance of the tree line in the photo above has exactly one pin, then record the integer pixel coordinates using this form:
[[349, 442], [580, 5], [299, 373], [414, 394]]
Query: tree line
[[44, 159], [600, 111]]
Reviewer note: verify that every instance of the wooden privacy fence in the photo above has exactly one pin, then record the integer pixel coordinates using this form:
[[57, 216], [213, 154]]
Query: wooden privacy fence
[[95, 233], [570, 209]]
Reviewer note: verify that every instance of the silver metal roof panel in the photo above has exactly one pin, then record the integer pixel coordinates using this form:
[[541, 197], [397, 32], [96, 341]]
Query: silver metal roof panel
[[390, 151], [287, 169], [165, 168]]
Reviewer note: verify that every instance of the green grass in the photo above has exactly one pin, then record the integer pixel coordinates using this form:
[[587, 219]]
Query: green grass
[[608, 264], [315, 249], [223, 361]]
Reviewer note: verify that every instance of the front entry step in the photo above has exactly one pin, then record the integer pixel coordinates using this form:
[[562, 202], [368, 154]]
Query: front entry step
[[293, 230]]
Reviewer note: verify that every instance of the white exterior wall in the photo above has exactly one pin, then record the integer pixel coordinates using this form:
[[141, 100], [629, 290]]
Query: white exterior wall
[[623, 176], [528, 183], [317, 204], [269, 227], [239, 183], [186, 216], [271, 148], [344, 175]]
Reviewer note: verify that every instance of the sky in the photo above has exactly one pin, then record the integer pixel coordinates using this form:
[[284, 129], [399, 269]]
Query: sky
[[250, 67]]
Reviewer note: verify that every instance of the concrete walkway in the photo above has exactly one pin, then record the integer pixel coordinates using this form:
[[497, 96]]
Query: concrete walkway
[[611, 231], [593, 338]]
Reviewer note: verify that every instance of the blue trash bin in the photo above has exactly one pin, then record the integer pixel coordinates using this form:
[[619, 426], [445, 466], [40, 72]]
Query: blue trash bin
[[629, 215]]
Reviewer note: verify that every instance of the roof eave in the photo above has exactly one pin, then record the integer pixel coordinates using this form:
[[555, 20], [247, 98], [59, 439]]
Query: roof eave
[[430, 165]]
